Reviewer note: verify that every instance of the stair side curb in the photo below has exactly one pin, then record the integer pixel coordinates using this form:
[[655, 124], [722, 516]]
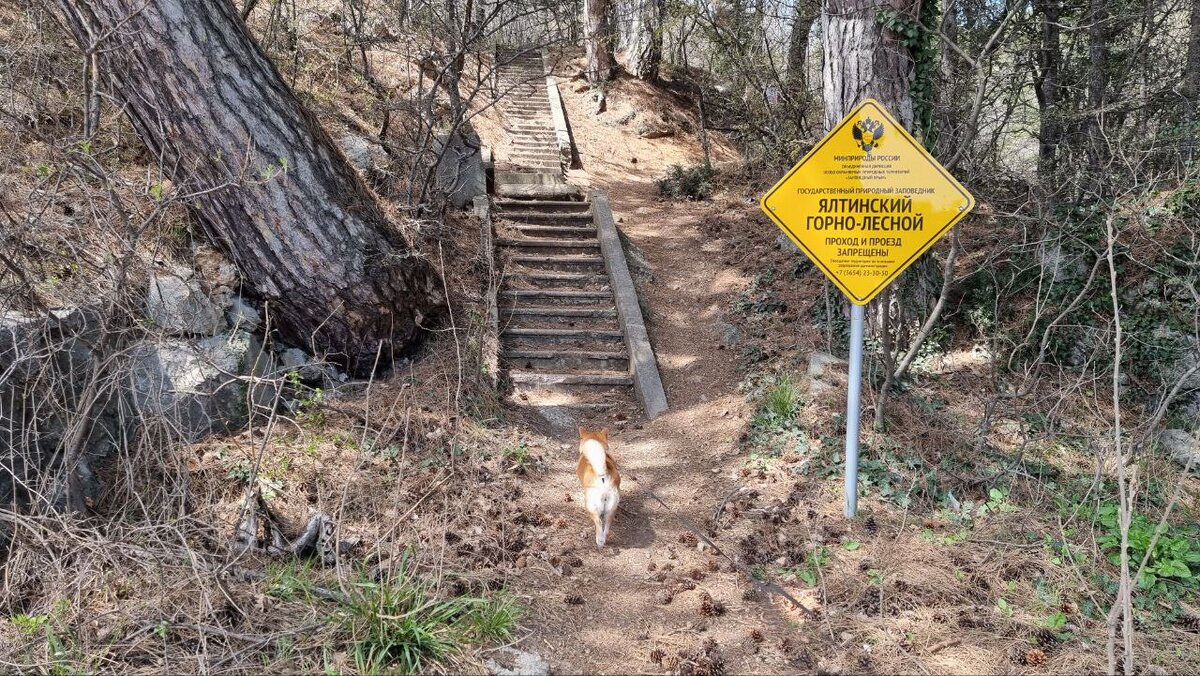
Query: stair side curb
[[558, 114], [647, 383]]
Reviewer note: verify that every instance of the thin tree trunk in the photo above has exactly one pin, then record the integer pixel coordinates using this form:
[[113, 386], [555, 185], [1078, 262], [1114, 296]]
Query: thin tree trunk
[[305, 231], [1190, 87], [1097, 80], [863, 59], [796, 83], [1047, 88]]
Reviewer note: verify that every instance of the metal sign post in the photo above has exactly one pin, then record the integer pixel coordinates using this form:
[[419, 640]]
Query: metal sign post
[[864, 204], [853, 400]]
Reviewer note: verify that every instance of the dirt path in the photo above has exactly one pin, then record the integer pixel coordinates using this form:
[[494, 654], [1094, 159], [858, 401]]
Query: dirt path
[[607, 610]]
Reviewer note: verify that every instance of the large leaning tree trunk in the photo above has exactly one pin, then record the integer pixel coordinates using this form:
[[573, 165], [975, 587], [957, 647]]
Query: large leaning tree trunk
[[308, 236]]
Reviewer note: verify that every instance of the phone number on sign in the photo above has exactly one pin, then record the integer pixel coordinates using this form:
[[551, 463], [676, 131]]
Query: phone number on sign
[[863, 272]]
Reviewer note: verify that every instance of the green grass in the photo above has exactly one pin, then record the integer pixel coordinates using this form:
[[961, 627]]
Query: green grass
[[780, 403], [400, 625]]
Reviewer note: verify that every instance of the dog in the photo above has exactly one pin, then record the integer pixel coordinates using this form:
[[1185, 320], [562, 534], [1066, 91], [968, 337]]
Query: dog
[[601, 482]]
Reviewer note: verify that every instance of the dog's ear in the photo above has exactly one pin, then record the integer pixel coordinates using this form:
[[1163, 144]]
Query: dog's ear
[[582, 432], [604, 434]]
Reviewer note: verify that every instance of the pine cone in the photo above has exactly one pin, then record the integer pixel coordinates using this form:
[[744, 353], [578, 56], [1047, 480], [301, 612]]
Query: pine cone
[[870, 526], [657, 655], [651, 566], [696, 574], [689, 538], [671, 662], [710, 607], [664, 596], [573, 600], [1035, 657], [756, 635]]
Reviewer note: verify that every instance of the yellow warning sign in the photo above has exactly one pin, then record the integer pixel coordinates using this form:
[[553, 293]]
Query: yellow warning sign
[[866, 202]]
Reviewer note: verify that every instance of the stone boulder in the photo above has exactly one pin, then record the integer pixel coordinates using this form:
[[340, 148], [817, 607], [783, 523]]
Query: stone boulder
[[197, 388], [1182, 446], [365, 155], [176, 303]]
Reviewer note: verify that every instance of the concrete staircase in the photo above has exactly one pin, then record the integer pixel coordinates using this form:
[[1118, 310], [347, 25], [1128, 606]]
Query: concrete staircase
[[559, 328], [521, 82]]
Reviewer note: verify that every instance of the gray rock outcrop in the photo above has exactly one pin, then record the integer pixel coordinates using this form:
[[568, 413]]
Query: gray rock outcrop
[[201, 387], [176, 303]]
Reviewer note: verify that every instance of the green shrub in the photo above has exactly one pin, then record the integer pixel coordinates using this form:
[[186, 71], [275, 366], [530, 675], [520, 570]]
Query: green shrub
[[686, 183]]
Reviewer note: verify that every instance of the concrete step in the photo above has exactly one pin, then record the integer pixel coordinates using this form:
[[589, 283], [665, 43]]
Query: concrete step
[[563, 231], [561, 295], [542, 244], [534, 191], [550, 263], [543, 279], [566, 360], [549, 206], [576, 339], [610, 379], [546, 276], [586, 312], [546, 322], [556, 218]]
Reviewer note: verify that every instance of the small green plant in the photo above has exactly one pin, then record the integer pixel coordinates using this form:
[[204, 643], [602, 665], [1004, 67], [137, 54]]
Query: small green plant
[[1003, 606], [687, 183], [30, 624], [875, 576], [780, 403], [518, 455], [1176, 555]]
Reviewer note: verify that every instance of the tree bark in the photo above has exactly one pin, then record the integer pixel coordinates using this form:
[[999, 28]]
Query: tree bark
[[1097, 81], [1047, 88], [597, 41], [862, 59], [642, 40], [308, 236], [1191, 69], [796, 83]]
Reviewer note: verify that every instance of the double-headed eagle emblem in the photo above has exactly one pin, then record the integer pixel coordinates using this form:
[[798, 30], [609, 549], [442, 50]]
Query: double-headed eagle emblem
[[868, 133]]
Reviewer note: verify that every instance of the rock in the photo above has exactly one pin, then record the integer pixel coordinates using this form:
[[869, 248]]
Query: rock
[[460, 173], [243, 316], [295, 359], [178, 305], [364, 154], [655, 132], [562, 420], [513, 662], [193, 388], [785, 243], [819, 363], [727, 333], [1182, 446], [818, 368]]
